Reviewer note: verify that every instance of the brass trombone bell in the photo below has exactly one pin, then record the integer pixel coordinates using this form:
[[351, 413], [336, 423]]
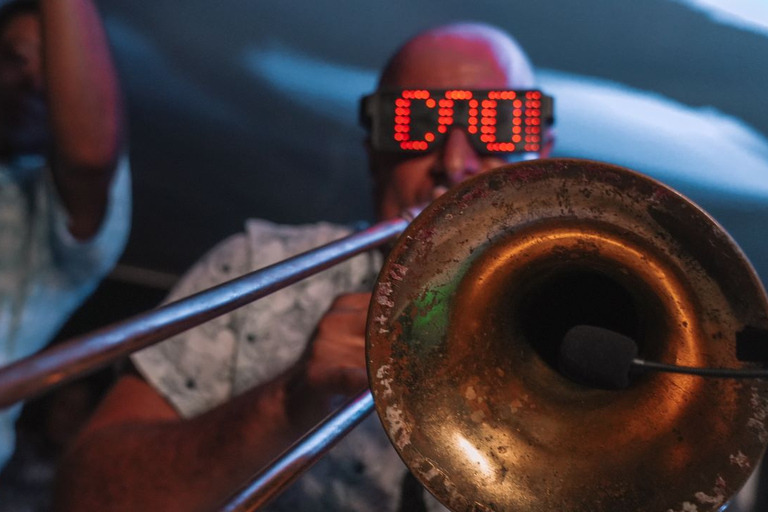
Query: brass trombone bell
[[471, 305]]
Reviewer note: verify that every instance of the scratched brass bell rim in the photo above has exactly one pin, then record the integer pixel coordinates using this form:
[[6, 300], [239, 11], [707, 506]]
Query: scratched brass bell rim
[[470, 305]]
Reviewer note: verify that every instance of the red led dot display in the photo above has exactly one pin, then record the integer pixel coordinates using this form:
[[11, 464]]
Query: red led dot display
[[500, 100], [403, 113], [500, 120]]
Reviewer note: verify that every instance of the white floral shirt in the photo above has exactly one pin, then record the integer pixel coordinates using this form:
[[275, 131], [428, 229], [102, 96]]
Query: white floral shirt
[[204, 367], [45, 273]]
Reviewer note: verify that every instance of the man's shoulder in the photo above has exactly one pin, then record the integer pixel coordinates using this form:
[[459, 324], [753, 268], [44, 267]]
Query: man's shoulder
[[271, 243], [260, 244], [257, 229]]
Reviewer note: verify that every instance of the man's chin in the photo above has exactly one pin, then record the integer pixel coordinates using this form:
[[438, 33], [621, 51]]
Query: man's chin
[[438, 191]]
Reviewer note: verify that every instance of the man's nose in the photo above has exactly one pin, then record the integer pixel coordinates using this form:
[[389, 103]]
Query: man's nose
[[459, 159]]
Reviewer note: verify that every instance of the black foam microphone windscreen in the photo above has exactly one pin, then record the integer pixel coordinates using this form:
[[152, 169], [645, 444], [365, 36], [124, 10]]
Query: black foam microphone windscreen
[[597, 357]]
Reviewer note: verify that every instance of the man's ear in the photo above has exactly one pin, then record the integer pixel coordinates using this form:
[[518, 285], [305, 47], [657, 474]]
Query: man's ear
[[374, 172], [549, 143], [373, 161], [368, 150]]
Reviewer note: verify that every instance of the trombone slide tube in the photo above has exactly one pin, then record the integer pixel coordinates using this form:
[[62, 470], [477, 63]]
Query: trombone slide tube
[[81, 355], [299, 457]]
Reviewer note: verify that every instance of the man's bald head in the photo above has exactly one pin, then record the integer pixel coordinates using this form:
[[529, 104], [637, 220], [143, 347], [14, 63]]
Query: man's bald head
[[471, 55]]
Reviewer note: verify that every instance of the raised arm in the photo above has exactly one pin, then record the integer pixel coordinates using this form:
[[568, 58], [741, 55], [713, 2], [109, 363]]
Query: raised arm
[[85, 109]]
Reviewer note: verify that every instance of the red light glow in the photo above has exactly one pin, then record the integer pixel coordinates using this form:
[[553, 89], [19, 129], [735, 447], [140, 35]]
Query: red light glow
[[482, 114]]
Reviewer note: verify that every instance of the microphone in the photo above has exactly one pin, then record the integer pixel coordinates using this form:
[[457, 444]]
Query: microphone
[[605, 359]]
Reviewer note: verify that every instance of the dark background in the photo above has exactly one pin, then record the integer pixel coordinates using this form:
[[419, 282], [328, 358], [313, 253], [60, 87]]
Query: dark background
[[217, 136]]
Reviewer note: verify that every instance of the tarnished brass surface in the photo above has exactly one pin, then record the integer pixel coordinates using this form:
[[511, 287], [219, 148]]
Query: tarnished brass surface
[[470, 305]]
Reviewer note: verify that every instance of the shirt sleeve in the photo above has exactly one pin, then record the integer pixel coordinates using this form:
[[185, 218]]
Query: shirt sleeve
[[193, 370], [51, 271]]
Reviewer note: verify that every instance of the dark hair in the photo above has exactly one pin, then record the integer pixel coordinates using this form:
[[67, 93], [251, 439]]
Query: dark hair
[[17, 8]]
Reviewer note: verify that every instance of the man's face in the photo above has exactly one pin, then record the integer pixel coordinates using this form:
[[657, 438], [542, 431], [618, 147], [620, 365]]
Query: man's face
[[403, 181], [23, 115]]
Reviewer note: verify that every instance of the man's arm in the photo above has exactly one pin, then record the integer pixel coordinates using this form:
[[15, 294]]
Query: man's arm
[[85, 109], [137, 454]]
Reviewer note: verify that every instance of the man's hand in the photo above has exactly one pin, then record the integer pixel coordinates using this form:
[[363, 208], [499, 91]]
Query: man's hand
[[334, 364]]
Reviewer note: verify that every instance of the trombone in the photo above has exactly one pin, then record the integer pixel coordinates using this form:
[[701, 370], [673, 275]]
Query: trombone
[[464, 326]]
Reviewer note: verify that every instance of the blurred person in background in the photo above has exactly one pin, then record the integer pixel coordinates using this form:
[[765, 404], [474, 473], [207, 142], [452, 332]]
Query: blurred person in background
[[64, 180]]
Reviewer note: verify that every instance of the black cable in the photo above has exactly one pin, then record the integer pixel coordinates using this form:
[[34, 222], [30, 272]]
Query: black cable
[[729, 373]]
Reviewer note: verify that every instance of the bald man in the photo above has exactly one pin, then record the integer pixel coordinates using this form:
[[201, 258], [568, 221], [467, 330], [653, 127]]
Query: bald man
[[210, 407]]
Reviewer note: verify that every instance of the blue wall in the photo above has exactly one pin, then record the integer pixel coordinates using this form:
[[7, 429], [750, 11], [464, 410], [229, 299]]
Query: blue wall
[[248, 109]]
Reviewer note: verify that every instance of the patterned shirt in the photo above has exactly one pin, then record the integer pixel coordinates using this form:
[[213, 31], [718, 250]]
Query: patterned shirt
[[204, 367], [45, 273]]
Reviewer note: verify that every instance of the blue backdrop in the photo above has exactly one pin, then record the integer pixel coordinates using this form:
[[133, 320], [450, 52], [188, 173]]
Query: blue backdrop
[[248, 109]]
